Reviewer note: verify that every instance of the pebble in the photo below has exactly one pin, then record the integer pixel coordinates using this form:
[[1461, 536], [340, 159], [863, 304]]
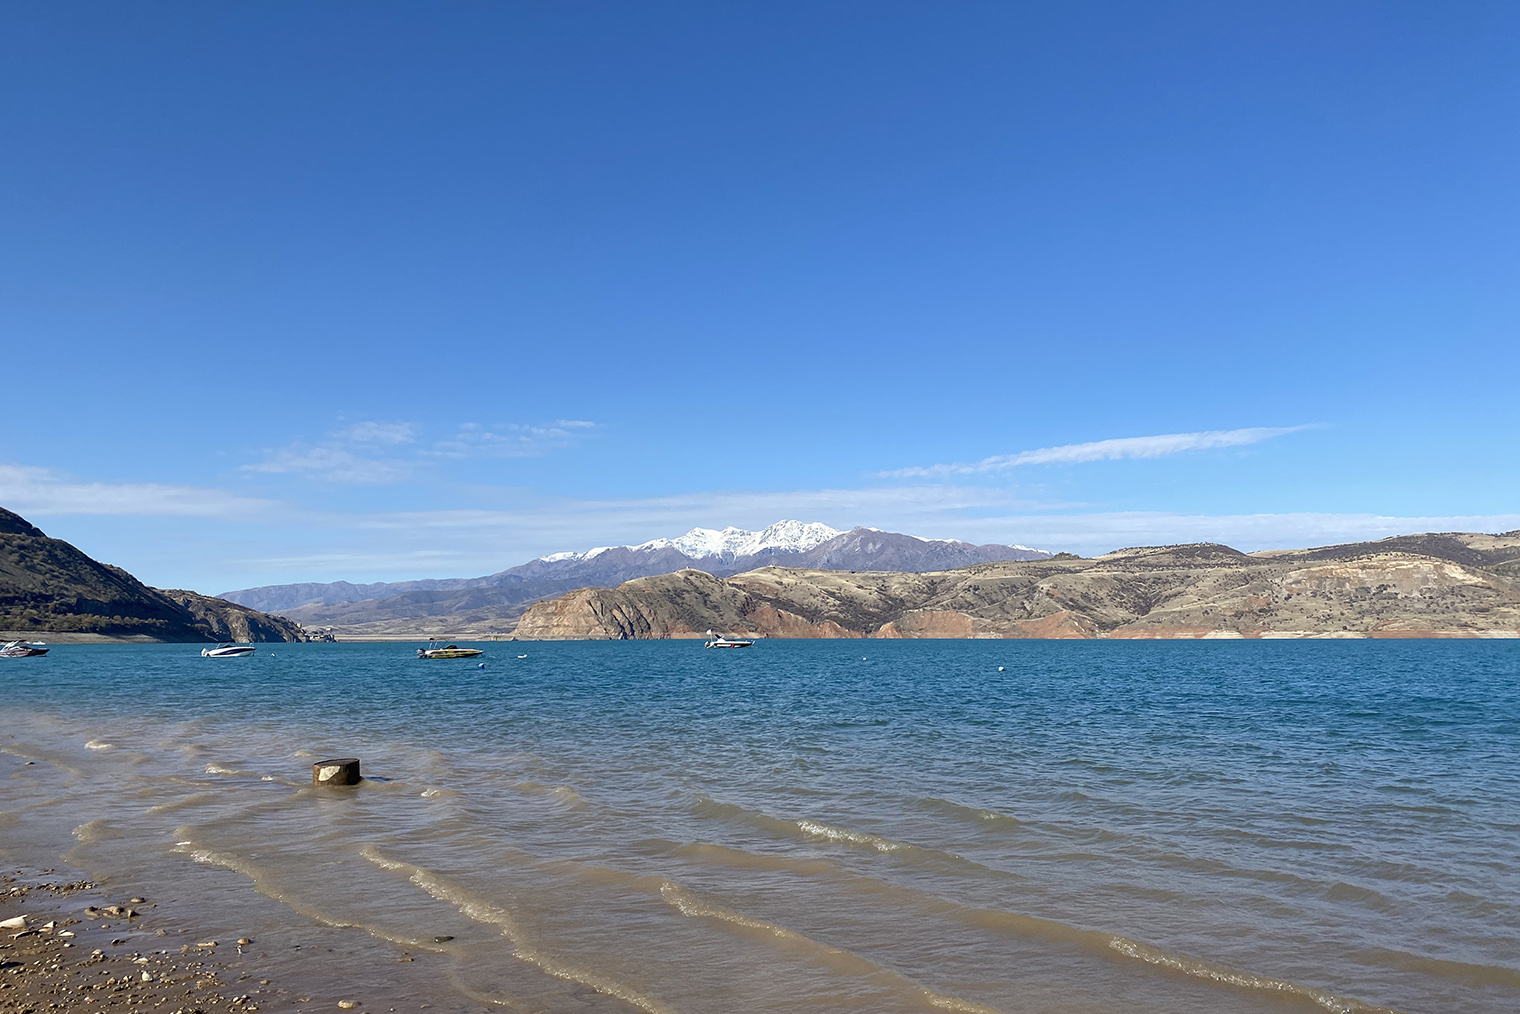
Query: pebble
[[348, 1004], [244, 941], [442, 939]]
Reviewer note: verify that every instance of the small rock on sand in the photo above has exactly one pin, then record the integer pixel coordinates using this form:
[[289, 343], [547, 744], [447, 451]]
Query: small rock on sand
[[348, 1004]]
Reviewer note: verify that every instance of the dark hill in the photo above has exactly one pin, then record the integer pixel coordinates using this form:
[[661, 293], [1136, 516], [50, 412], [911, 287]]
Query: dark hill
[[48, 586]]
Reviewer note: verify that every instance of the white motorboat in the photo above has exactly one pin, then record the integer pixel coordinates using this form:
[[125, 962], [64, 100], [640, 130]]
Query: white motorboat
[[227, 651], [447, 651], [720, 641], [21, 649]]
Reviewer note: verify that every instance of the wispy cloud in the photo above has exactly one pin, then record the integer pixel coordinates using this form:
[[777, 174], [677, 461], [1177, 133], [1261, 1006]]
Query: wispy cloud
[[1102, 450], [332, 463], [363, 452], [376, 453], [43, 492], [514, 440], [379, 432]]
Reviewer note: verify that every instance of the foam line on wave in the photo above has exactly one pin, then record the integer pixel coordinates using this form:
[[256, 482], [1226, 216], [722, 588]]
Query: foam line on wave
[[1097, 942], [816, 830], [693, 905], [522, 947], [1244, 980], [262, 883]]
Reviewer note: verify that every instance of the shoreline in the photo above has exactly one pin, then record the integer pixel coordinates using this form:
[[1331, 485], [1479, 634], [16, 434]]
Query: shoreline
[[88, 946], [69, 943], [1498, 634]]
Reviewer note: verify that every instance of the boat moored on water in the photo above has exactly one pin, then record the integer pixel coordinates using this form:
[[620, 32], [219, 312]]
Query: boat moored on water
[[21, 649], [227, 651], [722, 641], [447, 651]]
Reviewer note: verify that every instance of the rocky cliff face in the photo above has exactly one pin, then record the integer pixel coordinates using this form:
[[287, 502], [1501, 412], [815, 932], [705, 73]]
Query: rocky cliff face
[[228, 621], [1439, 585], [48, 586]]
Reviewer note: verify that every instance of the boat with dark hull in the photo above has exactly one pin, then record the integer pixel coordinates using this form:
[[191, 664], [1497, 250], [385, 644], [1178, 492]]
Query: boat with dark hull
[[447, 651]]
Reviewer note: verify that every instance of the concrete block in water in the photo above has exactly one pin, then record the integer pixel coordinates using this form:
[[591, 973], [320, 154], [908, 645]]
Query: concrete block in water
[[343, 771]]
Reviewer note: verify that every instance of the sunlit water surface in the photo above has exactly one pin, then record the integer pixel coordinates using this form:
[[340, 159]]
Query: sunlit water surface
[[969, 826]]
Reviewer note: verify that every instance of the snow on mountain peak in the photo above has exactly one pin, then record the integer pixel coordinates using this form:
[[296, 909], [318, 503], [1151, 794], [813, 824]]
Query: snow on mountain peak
[[704, 543], [783, 536]]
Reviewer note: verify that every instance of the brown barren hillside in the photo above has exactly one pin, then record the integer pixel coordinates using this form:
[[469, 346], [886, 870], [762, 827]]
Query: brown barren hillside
[[1438, 585]]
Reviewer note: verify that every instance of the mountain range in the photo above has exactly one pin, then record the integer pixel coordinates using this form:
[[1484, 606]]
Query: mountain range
[[494, 602], [48, 586], [1435, 585]]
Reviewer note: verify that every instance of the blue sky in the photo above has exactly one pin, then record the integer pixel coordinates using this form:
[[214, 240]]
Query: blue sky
[[377, 291]]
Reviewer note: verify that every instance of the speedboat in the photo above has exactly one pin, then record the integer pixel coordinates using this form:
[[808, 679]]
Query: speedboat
[[720, 641], [227, 651], [21, 649], [447, 651]]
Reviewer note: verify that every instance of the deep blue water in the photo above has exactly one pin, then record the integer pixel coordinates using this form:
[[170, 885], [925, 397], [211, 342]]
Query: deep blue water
[[1096, 826]]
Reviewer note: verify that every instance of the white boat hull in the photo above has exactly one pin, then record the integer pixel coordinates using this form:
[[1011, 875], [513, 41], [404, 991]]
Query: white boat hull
[[21, 649], [228, 651]]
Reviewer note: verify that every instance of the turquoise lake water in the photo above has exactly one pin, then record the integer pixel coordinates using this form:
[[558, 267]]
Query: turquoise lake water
[[1095, 827]]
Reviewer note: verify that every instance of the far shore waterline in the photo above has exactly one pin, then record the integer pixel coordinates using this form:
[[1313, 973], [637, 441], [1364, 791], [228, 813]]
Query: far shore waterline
[[74, 637]]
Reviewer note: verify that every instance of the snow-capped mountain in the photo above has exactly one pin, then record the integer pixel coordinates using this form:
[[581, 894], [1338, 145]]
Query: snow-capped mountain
[[727, 544], [720, 552]]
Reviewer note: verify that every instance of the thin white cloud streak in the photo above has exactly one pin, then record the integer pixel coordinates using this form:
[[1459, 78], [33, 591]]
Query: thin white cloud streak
[[348, 456], [43, 492], [332, 463], [1103, 450], [379, 432], [380, 453], [515, 440]]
